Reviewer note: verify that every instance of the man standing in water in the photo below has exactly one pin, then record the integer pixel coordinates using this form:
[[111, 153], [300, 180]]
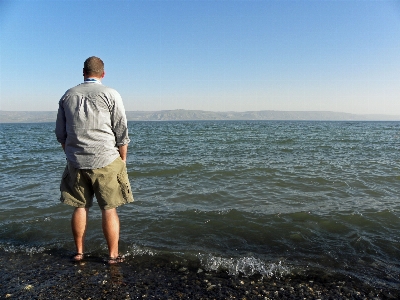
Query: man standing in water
[[92, 129]]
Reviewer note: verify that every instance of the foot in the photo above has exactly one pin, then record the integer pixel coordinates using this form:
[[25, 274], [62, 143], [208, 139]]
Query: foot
[[115, 260], [78, 257]]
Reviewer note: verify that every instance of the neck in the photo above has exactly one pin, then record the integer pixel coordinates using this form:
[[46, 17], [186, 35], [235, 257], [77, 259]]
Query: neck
[[90, 76]]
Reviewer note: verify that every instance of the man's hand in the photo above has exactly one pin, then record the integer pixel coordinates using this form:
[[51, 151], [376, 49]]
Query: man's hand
[[123, 151]]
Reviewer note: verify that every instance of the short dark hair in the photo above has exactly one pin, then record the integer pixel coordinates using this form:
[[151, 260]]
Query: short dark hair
[[93, 66]]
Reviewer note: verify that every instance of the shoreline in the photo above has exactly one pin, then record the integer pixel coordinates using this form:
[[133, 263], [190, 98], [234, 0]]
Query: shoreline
[[54, 276]]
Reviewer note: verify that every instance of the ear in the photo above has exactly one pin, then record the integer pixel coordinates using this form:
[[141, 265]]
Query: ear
[[104, 74]]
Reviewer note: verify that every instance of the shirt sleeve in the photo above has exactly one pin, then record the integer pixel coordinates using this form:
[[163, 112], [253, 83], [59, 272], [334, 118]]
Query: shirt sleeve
[[61, 131], [118, 121]]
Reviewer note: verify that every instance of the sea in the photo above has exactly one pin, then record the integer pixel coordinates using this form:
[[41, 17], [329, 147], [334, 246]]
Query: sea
[[265, 198]]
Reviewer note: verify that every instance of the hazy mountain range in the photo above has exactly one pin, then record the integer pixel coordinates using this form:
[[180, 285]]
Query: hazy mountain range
[[183, 115]]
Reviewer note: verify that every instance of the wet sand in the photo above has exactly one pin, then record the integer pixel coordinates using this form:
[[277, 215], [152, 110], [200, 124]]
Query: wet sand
[[54, 276]]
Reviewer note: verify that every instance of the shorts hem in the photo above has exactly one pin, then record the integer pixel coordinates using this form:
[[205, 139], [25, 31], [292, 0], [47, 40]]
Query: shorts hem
[[117, 205], [73, 204]]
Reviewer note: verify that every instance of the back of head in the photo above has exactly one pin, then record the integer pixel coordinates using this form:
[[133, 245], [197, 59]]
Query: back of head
[[93, 66]]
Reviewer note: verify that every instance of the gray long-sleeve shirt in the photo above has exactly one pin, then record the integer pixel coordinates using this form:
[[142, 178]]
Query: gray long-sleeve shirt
[[91, 122]]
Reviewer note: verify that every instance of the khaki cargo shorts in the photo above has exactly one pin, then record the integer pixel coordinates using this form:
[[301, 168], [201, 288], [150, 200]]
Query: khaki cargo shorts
[[109, 184]]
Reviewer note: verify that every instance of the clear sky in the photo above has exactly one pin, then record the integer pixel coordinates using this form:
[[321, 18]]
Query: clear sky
[[234, 55]]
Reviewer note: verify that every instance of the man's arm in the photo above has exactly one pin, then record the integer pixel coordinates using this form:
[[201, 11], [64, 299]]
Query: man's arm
[[60, 131], [123, 152], [119, 124]]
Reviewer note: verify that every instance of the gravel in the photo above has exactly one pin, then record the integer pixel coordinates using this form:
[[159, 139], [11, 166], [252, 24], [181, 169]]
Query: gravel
[[54, 276]]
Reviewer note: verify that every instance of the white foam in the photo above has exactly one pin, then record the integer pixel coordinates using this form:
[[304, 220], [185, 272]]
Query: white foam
[[246, 266], [136, 250], [22, 249]]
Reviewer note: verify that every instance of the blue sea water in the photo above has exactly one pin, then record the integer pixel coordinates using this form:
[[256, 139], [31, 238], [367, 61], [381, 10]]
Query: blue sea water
[[243, 197]]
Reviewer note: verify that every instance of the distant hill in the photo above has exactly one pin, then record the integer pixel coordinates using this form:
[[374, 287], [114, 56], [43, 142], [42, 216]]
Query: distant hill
[[183, 115], [180, 114], [27, 116]]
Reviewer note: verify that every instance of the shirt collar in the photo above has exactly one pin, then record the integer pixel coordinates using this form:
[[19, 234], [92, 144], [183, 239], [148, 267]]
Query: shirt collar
[[93, 80]]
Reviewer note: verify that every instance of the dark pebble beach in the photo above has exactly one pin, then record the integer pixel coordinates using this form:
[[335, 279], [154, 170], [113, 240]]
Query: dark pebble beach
[[54, 276]]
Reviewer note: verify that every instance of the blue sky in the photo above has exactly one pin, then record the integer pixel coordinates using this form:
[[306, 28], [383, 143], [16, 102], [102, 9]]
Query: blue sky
[[209, 55]]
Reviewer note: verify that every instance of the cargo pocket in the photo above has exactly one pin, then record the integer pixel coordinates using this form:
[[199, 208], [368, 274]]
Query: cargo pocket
[[65, 179], [125, 187], [65, 185]]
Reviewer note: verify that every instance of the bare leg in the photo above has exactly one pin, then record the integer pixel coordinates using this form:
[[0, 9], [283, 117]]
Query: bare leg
[[110, 221], [78, 224]]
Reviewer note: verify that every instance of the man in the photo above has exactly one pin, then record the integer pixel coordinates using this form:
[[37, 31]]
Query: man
[[92, 129]]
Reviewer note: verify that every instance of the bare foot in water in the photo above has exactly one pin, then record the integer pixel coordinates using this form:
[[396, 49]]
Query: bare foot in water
[[115, 260], [78, 257]]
